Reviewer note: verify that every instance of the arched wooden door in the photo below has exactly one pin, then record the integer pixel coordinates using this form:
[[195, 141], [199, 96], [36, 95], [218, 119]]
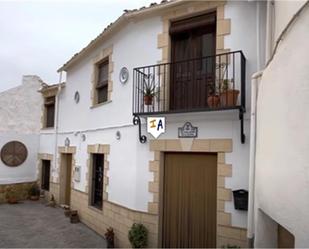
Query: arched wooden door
[[189, 200]]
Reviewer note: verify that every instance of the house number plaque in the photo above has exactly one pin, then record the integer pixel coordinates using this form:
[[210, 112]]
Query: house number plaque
[[187, 131]]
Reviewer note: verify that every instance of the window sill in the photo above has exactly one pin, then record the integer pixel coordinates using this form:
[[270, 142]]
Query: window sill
[[98, 210], [100, 104], [47, 128]]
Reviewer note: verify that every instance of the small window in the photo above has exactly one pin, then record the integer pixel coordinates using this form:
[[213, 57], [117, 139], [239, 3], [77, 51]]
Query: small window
[[49, 112], [102, 83], [97, 180], [45, 175]]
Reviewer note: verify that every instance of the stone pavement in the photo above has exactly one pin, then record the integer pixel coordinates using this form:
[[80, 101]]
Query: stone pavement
[[33, 225]]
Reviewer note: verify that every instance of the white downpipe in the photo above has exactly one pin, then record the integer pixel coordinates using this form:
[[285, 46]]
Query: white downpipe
[[269, 30], [57, 119], [258, 36], [254, 94]]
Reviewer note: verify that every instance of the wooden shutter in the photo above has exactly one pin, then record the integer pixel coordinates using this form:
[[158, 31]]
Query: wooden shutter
[[192, 38], [193, 23], [50, 111], [102, 84]]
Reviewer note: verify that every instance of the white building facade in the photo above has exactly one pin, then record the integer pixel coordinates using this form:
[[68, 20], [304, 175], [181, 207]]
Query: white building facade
[[20, 114], [279, 177], [94, 149]]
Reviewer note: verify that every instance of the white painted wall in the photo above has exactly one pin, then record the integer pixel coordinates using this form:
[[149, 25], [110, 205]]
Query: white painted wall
[[20, 119], [243, 15], [136, 45], [26, 172], [283, 13], [130, 47], [282, 159]]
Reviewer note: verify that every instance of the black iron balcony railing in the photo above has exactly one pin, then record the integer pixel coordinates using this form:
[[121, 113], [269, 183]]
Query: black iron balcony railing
[[203, 84], [211, 83]]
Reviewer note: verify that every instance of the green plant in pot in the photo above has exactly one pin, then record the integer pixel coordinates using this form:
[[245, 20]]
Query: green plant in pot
[[228, 96], [34, 192], [11, 195], [148, 90], [138, 236], [109, 236], [213, 99]]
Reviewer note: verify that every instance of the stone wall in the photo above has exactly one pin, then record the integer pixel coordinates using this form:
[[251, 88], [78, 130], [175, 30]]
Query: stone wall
[[112, 215], [22, 106], [21, 189]]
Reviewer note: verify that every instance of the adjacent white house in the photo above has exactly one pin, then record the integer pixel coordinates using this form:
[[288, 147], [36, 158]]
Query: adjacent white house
[[189, 62], [278, 213], [20, 114]]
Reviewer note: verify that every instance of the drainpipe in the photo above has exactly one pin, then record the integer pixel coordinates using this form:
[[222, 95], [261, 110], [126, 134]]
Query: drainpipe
[[258, 35], [56, 119], [254, 95], [269, 29]]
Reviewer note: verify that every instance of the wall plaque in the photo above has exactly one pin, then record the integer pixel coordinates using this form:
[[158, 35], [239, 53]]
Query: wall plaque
[[187, 131]]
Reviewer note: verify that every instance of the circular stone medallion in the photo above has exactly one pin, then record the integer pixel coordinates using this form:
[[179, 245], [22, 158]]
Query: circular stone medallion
[[14, 153]]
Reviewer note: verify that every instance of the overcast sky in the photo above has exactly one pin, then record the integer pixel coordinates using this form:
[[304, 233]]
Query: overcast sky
[[37, 37]]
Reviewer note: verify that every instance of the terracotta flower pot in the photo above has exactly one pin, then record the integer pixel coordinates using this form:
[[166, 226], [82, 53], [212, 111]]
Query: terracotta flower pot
[[67, 212], [148, 100], [34, 197], [229, 98], [213, 101], [12, 200]]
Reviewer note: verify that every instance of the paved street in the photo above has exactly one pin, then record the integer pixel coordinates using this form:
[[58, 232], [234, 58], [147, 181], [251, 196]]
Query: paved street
[[33, 225]]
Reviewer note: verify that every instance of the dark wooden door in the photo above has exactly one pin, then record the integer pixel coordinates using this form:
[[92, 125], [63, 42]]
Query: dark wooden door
[[189, 200], [97, 180], [192, 68], [45, 174], [66, 179]]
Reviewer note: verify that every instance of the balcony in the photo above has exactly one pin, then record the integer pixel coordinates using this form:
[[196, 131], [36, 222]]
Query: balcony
[[212, 83]]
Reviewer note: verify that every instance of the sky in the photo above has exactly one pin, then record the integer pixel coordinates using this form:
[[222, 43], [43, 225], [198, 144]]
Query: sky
[[39, 36]]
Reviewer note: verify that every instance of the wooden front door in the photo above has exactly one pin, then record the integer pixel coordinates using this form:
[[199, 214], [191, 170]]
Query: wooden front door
[[285, 238], [193, 65], [189, 200], [65, 179]]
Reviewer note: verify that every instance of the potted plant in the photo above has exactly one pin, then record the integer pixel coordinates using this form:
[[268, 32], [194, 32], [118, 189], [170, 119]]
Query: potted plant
[[230, 246], [11, 196], [34, 192], [138, 236], [228, 96], [213, 99], [149, 90], [109, 236]]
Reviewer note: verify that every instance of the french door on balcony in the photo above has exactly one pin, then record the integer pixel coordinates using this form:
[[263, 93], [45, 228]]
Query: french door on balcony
[[190, 79]]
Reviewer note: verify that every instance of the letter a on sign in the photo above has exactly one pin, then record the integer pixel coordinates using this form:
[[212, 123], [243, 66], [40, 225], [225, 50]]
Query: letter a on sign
[[155, 126]]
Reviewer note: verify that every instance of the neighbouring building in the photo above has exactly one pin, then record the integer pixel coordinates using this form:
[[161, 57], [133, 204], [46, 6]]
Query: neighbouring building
[[20, 114], [190, 62], [278, 215]]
